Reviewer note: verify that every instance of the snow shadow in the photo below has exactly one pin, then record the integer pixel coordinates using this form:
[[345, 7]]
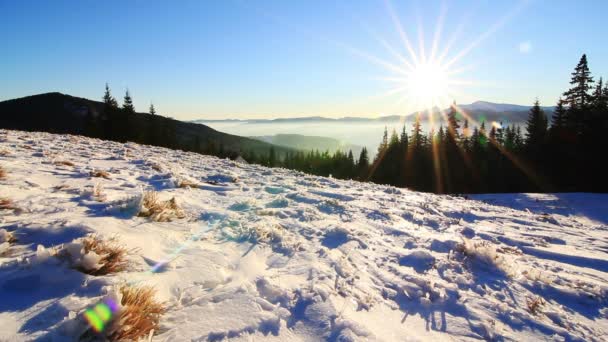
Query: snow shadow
[[22, 289], [335, 238], [158, 182], [591, 206], [50, 236], [579, 261], [420, 260]]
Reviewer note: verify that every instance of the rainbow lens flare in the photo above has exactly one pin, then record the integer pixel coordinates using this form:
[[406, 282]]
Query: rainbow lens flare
[[101, 314]]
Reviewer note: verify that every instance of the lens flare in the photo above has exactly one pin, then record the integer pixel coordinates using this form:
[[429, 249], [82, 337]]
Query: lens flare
[[101, 314]]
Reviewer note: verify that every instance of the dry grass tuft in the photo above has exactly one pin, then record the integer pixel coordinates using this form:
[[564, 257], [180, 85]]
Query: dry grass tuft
[[185, 183], [64, 162], [98, 193], [486, 254], [2, 173], [157, 210], [534, 304], [100, 173], [156, 167], [4, 153], [7, 204], [139, 315], [113, 255]]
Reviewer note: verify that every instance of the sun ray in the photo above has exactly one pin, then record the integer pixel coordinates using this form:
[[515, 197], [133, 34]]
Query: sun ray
[[438, 31], [497, 25], [399, 28]]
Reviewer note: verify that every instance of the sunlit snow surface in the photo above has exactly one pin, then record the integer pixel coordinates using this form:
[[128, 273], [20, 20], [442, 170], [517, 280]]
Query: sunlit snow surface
[[296, 257]]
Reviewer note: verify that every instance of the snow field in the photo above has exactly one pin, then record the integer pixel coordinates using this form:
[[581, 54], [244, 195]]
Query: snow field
[[245, 252]]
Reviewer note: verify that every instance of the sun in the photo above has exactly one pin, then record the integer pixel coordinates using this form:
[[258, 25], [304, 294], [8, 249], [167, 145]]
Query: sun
[[427, 84]]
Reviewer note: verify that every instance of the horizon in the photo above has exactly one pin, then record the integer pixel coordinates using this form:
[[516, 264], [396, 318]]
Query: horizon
[[270, 60]]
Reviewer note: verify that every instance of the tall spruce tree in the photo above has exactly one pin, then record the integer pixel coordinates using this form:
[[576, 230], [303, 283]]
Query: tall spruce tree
[[152, 109], [127, 104], [578, 95]]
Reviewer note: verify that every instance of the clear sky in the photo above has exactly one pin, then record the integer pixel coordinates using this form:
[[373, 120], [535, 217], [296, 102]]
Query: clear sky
[[266, 59]]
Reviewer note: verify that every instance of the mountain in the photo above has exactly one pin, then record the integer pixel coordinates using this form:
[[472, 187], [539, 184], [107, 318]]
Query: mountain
[[60, 113], [478, 111], [307, 143], [499, 107], [270, 254]]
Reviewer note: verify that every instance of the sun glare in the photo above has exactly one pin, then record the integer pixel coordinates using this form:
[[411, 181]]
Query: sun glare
[[427, 84]]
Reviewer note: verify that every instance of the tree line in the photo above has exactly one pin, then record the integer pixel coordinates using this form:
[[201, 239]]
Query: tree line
[[560, 151]]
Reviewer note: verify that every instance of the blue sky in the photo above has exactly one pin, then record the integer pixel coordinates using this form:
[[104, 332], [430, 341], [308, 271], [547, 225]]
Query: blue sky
[[246, 59]]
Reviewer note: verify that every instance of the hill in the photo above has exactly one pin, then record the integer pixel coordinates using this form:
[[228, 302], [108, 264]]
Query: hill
[[60, 113], [244, 252]]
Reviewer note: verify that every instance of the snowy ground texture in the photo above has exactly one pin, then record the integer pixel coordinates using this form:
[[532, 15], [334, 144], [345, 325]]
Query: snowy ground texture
[[273, 254]]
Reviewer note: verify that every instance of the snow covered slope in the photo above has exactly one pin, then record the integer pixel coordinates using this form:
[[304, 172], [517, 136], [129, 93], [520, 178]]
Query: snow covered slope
[[273, 254]]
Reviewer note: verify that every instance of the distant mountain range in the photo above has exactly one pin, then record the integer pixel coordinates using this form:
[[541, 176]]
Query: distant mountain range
[[307, 143], [478, 111]]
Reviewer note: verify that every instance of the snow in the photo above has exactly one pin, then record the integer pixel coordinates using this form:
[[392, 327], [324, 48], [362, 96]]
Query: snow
[[274, 254]]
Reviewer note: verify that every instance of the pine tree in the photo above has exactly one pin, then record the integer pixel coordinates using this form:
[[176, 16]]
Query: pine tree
[[536, 127], [363, 164], [127, 105], [416, 140], [383, 145], [558, 121], [403, 140], [109, 100], [351, 158], [152, 109], [453, 123], [578, 95], [599, 97]]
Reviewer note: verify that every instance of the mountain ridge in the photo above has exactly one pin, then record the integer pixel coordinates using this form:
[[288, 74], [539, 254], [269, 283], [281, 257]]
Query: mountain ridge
[[491, 110]]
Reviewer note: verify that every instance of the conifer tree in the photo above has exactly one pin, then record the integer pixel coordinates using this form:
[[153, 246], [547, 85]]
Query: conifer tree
[[363, 164], [403, 140], [416, 140], [383, 145], [453, 123], [152, 109], [127, 105], [578, 95], [558, 121], [109, 100], [536, 127]]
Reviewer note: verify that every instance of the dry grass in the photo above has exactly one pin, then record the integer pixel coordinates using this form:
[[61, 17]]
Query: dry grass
[[157, 210], [98, 193], [100, 173], [139, 315], [534, 304], [185, 183], [486, 254], [64, 162], [156, 167], [2, 173], [4, 153], [113, 255], [7, 204]]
